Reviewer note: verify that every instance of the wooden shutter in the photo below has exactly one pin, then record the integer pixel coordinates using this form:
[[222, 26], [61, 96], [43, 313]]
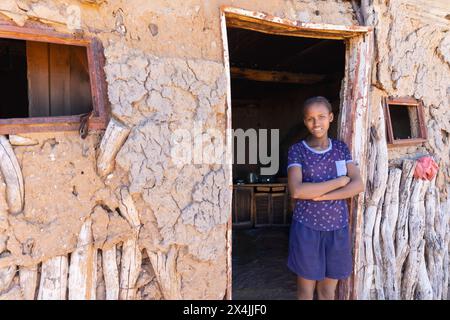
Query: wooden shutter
[[58, 80]]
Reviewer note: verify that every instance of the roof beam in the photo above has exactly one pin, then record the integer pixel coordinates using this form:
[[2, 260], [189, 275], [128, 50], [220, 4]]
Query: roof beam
[[276, 76]]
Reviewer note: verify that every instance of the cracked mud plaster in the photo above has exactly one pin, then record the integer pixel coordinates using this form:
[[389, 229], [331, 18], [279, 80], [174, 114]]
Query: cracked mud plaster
[[172, 90], [61, 191], [185, 206], [174, 94]]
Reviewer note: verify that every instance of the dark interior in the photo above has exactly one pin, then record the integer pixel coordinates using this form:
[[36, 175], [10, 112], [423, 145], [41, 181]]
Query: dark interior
[[315, 67], [400, 116], [13, 79], [270, 105]]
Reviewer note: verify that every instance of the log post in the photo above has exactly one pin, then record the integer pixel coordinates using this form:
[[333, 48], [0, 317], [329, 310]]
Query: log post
[[129, 269], [378, 275], [53, 284], [164, 265], [424, 291], [115, 135], [401, 229], [432, 241], [377, 175], [416, 227], [12, 174], [131, 254], [28, 281], [445, 230], [110, 273], [83, 266], [6, 277], [389, 220]]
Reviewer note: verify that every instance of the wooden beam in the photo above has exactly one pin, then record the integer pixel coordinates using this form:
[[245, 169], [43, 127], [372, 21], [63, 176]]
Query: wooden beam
[[53, 283], [275, 76], [263, 22], [12, 175]]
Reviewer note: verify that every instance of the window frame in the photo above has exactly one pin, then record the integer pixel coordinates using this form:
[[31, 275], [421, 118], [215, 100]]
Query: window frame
[[407, 102], [96, 61]]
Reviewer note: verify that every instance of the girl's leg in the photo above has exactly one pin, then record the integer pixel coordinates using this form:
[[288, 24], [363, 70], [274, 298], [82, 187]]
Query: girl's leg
[[326, 289], [305, 288]]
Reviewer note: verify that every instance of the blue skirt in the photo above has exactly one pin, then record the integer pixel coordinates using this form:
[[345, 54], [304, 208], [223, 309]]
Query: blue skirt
[[316, 255]]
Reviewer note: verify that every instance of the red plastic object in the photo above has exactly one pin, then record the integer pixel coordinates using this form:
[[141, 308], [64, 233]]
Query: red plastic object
[[426, 168]]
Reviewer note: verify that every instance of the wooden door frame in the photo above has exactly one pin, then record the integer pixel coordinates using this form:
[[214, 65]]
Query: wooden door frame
[[354, 107]]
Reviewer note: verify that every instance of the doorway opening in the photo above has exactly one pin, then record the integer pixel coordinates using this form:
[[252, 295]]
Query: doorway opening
[[351, 126], [271, 76]]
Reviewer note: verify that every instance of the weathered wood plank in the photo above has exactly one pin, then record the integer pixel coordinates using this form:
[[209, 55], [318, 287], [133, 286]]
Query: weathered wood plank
[[389, 216], [424, 291], [115, 136], [28, 277], [377, 176], [128, 209], [377, 267], [354, 130], [6, 277], [164, 265], [38, 79], [83, 266], [59, 58], [431, 237], [12, 175], [263, 22], [416, 227], [12, 294], [17, 140], [129, 269], [110, 273], [131, 254], [80, 86], [53, 284], [442, 226], [402, 230]]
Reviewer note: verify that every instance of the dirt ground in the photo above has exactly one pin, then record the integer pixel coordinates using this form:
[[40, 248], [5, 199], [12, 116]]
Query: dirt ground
[[259, 265]]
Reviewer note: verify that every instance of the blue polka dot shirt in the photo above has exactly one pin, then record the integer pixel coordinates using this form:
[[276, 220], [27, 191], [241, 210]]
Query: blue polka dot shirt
[[319, 166]]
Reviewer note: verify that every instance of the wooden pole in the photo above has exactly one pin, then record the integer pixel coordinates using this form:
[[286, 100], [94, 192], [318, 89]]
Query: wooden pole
[[389, 220], [83, 266], [53, 284]]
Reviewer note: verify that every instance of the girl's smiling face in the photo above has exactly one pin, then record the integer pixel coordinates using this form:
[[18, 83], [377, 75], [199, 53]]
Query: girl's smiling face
[[317, 119]]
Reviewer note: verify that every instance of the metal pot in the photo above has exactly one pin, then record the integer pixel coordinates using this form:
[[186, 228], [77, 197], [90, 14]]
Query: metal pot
[[266, 179], [252, 177]]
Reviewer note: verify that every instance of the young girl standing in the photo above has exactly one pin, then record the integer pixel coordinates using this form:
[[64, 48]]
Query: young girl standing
[[321, 175]]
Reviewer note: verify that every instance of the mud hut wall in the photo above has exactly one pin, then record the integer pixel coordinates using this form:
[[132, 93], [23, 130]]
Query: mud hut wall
[[111, 216], [405, 249]]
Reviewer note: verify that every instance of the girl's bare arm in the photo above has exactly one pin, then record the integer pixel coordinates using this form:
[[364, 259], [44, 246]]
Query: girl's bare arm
[[353, 188], [311, 190]]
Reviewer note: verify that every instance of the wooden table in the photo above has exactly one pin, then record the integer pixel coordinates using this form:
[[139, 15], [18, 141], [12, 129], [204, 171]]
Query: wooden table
[[260, 204]]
